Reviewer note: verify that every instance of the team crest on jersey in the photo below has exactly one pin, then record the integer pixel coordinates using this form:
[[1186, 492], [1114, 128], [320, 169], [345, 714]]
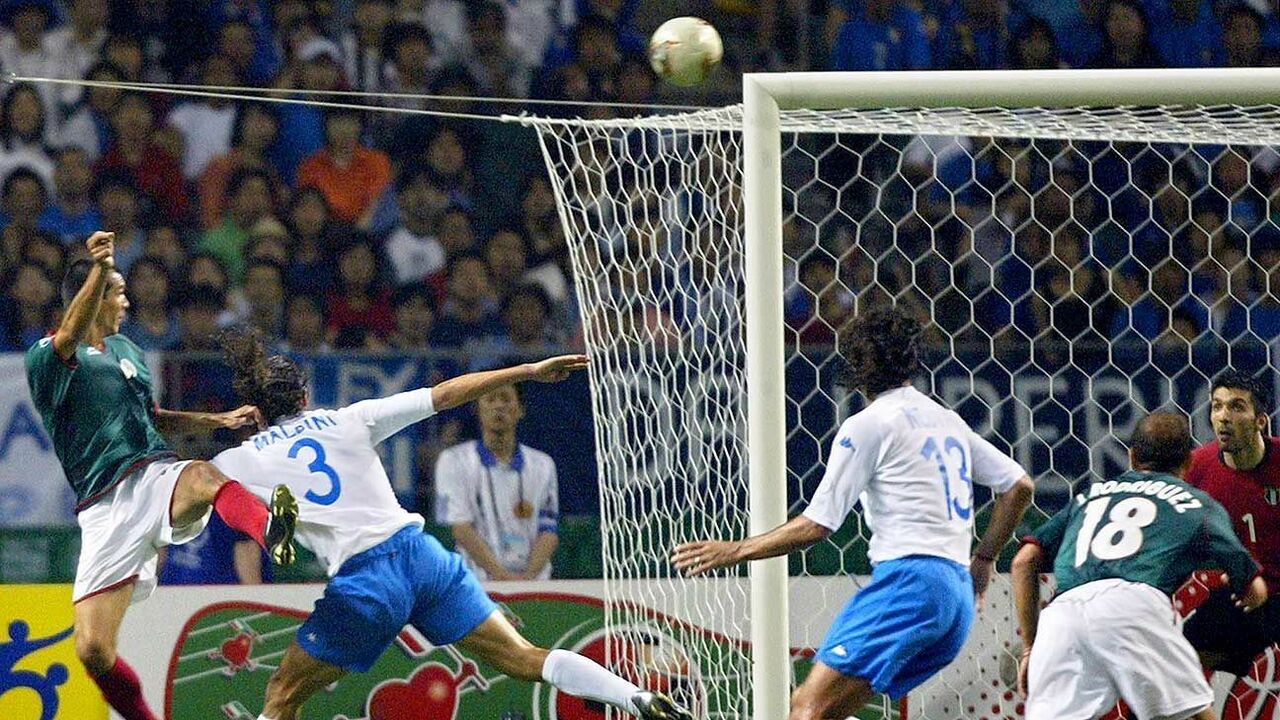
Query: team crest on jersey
[[128, 368]]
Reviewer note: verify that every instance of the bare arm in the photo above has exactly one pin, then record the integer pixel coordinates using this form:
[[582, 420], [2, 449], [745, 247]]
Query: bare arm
[[1026, 599], [1009, 509], [798, 533], [248, 561], [544, 546], [478, 550], [83, 310], [463, 389], [176, 422]]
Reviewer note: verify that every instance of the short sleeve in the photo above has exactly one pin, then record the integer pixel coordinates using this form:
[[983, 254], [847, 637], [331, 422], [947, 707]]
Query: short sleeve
[[389, 415], [991, 467], [1049, 536], [48, 374], [549, 503], [453, 498], [855, 452]]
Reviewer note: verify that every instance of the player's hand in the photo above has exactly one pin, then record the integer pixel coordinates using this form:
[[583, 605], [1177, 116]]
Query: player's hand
[[703, 556], [242, 416], [555, 369], [1254, 595], [102, 249], [1024, 663], [980, 570]]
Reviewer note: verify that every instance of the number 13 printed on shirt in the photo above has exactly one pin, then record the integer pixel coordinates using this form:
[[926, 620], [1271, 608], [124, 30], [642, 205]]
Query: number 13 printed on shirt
[[953, 468]]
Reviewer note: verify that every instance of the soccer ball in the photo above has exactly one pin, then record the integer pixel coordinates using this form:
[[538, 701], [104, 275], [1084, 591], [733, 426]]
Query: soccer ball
[[684, 50]]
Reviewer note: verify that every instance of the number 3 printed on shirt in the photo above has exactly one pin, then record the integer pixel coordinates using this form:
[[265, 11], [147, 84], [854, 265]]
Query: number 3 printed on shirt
[[318, 465], [951, 449]]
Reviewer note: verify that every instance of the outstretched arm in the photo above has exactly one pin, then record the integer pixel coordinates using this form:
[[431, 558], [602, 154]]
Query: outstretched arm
[[465, 388], [177, 422], [798, 533], [83, 310]]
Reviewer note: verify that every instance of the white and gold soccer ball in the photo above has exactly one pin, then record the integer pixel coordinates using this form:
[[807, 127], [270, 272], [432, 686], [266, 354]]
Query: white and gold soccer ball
[[684, 50]]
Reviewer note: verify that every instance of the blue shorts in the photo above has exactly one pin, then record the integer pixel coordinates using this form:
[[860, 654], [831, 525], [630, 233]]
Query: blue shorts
[[905, 626], [408, 579]]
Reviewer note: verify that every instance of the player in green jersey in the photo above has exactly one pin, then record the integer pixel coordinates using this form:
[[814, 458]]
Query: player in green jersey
[[1118, 552], [93, 390]]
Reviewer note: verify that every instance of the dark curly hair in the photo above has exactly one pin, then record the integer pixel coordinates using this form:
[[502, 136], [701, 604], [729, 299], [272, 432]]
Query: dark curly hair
[[880, 350], [275, 384], [1234, 379]]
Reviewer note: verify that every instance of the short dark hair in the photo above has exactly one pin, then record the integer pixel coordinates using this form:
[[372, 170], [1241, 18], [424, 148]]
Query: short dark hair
[[200, 295], [73, 279], [1161, 442], [533, 291], [22, 172], [880, 350], [406, 293], [1234, 379]]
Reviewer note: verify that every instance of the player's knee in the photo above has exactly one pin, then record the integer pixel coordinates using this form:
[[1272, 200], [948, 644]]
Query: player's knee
[[282, 694], [96, 653]]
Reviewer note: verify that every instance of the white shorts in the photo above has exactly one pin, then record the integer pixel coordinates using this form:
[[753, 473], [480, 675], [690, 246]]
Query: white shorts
[[1112, 639], [120, 534]]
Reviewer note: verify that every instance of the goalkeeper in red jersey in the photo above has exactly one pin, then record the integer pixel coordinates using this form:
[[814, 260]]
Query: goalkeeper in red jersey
[[1241, 470], [93, 390]]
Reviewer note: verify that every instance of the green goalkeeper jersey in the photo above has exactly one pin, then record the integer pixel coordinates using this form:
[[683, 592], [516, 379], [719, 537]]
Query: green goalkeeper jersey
[[97, 408], [1148, 528]]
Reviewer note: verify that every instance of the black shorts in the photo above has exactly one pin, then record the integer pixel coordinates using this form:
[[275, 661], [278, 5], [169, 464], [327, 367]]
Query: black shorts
[[1219, 627]]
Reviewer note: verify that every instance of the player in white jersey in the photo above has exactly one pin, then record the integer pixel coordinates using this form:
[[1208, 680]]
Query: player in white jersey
[[385, 572], [912, 464]]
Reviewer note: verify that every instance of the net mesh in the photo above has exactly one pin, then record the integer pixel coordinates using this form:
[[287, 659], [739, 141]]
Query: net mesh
[[1076, 268]]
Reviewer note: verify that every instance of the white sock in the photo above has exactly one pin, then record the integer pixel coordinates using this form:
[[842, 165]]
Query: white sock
[[585, 678], [263, 717]]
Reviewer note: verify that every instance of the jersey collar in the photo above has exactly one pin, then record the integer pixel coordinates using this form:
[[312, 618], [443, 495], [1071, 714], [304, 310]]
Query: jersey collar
[[488, 459]]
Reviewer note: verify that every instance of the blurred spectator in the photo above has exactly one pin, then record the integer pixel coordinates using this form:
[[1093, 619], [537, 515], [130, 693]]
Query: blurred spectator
[[351, 176], [876, 35], [310, 269], [163, 244], [73, 215], [22, 200], [972, 35], [507, 256], [526, 316], [469, 312], [249, 200], [448, 159], [1126, 37], [24, 51], [32, 307], [264, 295], [199, 307], [445, 25], [540, 225], [217, 556], [413, 248], [1077, 25], [362, 46], [415, 315], [247, 40], [154, 171], [1187, 33], [118, 205], [302, 127], [152, 321], [304, 325], [77, 45], [360, 308], [89, 124], [205, 269], [457, 234], [124, 50], [500, 496], [411, 63], [253, 133], [636, 82], [1035, 47], [44, 250], [1242, 36], [23, 134], [206, 124], [498, 69]]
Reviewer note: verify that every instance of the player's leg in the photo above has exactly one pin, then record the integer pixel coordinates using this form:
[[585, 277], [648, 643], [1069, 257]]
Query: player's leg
[[202, 485], [298, 678], [97, 630], [496, 642], [828, 694], [1061, 684]]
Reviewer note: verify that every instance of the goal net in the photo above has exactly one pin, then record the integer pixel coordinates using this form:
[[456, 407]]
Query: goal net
[[1075, 267]]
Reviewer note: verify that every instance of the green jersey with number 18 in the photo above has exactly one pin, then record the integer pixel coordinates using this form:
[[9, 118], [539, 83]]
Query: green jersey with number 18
[[1143, 527]]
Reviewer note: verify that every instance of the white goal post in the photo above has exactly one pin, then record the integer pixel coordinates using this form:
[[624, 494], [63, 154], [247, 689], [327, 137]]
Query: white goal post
[[765, 96]]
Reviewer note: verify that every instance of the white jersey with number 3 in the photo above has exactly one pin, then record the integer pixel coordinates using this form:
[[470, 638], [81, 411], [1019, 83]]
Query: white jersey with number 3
[[327, 458], [912, 463]]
